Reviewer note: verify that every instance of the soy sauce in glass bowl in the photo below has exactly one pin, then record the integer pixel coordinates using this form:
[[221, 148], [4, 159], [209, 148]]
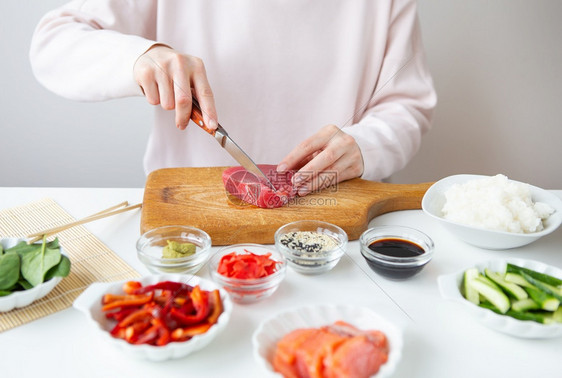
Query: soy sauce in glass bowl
[[396, 252]]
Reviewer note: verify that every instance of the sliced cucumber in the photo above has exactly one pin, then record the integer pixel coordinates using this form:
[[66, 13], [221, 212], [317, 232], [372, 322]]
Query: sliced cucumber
[[469, 293], [517, 279], [539, 317], [543, 277], [543, 299], [510, 288], [549, 289], [491, 292], [557, 315], [524, 305]]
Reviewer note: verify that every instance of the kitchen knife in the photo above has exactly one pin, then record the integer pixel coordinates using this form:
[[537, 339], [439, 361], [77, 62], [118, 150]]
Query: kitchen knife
[[228, 144]]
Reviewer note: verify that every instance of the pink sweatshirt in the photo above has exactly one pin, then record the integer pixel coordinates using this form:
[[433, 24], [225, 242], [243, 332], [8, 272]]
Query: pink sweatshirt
[[280, 70]]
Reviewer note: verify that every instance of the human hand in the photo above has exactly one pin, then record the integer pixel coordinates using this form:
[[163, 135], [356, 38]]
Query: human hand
[[331, 151], [168, 78]]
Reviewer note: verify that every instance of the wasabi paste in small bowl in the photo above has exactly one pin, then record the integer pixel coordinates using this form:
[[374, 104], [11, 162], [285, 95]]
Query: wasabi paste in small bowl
[[174, 249]]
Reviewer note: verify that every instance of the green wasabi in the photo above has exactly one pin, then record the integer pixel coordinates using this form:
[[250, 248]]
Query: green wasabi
[[175, 250]]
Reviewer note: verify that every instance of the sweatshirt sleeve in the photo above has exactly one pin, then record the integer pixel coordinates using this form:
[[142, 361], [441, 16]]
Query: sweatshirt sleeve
[[86, 50], [400, 110]]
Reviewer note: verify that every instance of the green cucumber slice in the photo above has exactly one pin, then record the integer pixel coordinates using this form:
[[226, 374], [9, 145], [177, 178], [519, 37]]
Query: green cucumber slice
[[543, 299], [524, 305], [469, 293], [491, 292], [547, 288], [543, 277], [510, 288], [517, 279], [539, 317]]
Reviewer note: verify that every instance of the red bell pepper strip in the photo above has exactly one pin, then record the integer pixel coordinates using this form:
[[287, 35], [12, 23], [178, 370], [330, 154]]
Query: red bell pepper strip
[[128, 301], [200, 301], [182, 334], [139, 315], [129, 287], [148, 336], [120, 314], [177, 288], [164, 334], [217, 307]]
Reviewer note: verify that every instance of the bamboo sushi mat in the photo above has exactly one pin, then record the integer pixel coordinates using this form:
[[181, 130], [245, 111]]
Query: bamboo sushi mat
[[91, 260]]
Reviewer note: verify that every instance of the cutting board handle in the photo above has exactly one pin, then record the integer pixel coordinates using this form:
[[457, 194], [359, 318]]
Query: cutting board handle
[[395, 197]]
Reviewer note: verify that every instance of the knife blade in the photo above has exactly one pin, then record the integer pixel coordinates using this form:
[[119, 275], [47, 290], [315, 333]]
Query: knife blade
[[229, 145]]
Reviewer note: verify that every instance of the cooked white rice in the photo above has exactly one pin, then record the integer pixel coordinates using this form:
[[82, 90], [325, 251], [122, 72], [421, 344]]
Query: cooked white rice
[[495, 203]]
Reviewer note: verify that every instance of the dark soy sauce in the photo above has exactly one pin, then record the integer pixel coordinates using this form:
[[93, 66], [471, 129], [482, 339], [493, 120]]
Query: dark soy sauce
[[395, 248]]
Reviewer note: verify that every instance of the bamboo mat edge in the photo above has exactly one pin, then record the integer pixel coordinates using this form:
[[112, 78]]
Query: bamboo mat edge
[[91, 260]]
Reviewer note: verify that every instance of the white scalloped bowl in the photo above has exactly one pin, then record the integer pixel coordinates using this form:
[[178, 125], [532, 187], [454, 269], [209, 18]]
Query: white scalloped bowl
[[449, 286], [89, 302], [24, 298], [434, 200], [271, 330]]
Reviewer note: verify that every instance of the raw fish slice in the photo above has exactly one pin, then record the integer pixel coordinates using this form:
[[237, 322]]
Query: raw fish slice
[[284, 358], [345, 329], [248, 188], [312, 353], [357, 357]]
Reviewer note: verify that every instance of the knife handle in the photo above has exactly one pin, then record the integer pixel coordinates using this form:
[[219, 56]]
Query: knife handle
[[197, 116]]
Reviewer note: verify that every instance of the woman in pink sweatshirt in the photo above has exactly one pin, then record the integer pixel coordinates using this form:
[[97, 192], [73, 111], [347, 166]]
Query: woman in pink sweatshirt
[[335, 86]]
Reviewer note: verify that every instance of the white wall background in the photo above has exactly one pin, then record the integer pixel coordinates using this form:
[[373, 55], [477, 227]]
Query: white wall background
[[496, 66]]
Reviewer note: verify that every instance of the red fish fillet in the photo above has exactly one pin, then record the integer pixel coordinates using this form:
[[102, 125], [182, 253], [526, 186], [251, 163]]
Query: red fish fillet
[[247, 187]]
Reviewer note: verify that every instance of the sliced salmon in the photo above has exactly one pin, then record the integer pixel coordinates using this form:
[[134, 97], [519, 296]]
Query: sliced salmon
[[339, 350]]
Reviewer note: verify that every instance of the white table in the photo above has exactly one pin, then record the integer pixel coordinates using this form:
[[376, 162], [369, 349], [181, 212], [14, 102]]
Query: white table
[[441, 340]]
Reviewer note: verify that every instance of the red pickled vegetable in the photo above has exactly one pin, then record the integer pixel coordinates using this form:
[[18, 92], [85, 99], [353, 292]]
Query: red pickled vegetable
[[161, 313], [247, 265]]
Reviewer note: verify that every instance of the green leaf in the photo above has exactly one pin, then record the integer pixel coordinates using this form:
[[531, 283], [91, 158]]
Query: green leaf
[[36, 263], [62, 269], [22, 247], [24, 284], [3, 293], [1, 249], [9, 270]]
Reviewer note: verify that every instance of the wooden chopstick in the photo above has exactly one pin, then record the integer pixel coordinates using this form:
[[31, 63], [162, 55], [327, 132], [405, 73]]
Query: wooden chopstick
[[102, 214]]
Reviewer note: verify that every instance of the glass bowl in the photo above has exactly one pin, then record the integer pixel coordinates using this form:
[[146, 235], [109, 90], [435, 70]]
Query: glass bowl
[[249, 290], [396, 252], [151, 244], [307, 257]]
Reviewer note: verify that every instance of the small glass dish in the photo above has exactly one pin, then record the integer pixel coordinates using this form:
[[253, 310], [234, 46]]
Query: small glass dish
[[311, 262], [396, 252], [249, 290], [151, 244]]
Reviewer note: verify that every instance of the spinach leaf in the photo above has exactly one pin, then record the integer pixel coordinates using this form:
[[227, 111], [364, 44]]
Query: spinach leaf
[[3, 293], [9, 270], [22, 247], [62, 269], [36, 263], [24, 284]]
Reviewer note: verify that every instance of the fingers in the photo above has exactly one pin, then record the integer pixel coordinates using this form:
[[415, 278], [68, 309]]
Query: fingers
[[333, 156], [204, 94], [167, 78], [307, 149]]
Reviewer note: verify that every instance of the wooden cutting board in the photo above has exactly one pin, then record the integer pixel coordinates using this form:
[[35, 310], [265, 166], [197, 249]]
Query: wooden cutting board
[[196, 197]]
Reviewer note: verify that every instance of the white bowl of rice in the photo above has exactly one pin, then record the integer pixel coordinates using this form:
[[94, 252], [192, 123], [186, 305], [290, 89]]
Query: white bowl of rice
[[493, 212]]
